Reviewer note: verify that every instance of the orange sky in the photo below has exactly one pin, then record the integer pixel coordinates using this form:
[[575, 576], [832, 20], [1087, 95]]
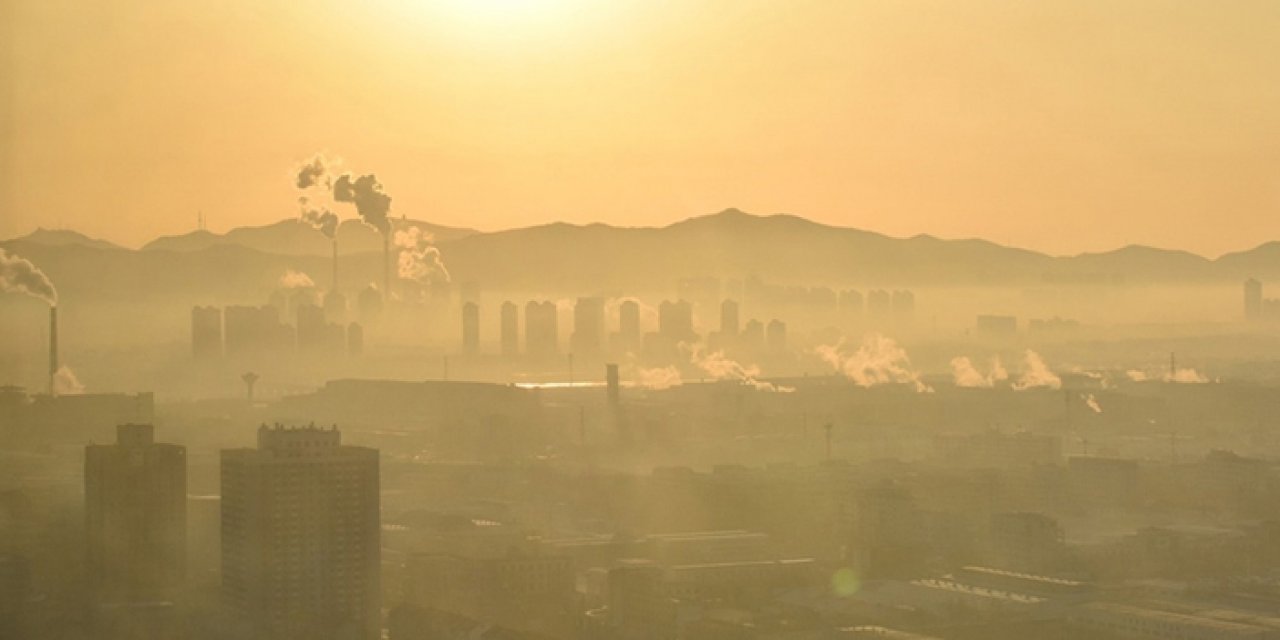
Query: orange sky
[[1061, 126]]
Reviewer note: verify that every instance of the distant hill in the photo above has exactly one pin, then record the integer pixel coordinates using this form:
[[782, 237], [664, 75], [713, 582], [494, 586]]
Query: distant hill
[[63, 238], [598, 258], [294, 238]]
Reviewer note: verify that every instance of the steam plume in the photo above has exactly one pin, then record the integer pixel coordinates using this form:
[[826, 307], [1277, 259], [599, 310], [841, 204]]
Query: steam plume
[[878, 360], [296, 280], [721, 367], [19, 275], [65, 382], [657, 379], [419, 258], [1181, 375], [1036, 374], [967, 375], [1186, 376], [1092, 402]]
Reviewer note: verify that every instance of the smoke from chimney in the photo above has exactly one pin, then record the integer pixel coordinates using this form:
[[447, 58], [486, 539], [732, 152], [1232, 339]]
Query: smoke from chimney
[[19, 275], [419, 258], [373, 205]]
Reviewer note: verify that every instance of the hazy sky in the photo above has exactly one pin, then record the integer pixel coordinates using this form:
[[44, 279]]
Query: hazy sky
[[1062, 126]]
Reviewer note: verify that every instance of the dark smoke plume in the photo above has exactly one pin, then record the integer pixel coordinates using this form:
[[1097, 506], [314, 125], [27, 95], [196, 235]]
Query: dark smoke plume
[[371, 202], [316, 183], [314, 173], [18, 275]]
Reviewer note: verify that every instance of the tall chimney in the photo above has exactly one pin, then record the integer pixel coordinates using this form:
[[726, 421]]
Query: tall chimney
[[334, 286], [386, 267], [611, 382], [53, 347]]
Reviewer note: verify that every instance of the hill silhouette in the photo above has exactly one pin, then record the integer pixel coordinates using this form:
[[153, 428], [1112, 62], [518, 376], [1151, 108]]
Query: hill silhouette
[[603, 258]]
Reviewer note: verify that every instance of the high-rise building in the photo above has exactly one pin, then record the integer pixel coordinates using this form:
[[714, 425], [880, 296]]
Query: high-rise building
[[728, 318], [675, 321], [256, 330], [136, 517], [471, 328], [1252, 299], [753, 334], [628, 327], [588, 326], [541, 332], [206, 332], [311, 327], [510, 329], [301, 547], [370, 303], [776, 335]]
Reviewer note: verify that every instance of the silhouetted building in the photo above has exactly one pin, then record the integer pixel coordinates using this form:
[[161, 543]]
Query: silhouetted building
[[776, 335], [1252, 299], [753, 334], [588, 326], [471, 328], [206, 332], [301, 547], [541, 332], [675, 321], [370, 303], [256, 330], [136, 517], [728, 318], [628, 327], [510, 329], [310, 328], [1026, 542]]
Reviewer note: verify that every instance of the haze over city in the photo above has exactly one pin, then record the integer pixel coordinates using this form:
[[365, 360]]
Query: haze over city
[[570, 320]]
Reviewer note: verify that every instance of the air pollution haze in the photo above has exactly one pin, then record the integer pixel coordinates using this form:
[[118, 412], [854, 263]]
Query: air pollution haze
[[700, 320]]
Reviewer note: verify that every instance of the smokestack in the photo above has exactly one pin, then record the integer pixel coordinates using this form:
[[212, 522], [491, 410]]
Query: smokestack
[[611, 383], [53, 347], [334, 287], [386, 266]]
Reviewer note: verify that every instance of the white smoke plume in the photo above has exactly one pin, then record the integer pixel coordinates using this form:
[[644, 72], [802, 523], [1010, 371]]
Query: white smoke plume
[[366, 194], [65, 382], [296, 280], [967, 375], [1181, 375], [1092, 402], [19, 275], [1186, 376], [657, 379], [877, 360], [1036, 374], [315, 181], [719, 366], [419, 258]]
